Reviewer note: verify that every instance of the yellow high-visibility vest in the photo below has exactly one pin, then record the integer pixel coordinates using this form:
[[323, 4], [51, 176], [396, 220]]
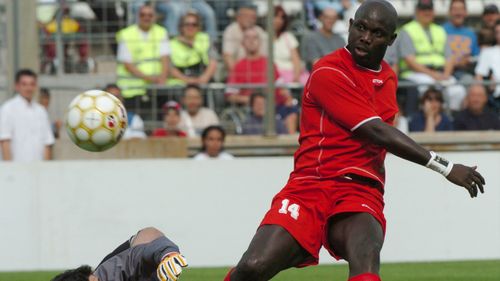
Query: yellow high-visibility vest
[[431, 54], [184, 56], [145, 56]]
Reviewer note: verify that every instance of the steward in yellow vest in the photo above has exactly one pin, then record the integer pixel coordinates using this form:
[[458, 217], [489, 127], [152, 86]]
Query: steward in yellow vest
[[428, 53], [193, 58], [147, 49]]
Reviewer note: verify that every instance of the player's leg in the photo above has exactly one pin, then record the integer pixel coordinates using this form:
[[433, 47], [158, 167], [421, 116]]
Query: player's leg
[[272, 250], [358, 238]]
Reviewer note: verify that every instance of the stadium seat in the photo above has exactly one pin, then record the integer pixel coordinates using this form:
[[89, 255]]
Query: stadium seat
[[475, 8], [441, 7]]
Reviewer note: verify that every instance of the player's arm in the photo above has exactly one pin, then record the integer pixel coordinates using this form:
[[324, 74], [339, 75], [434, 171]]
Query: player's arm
[[343, 101], [161, 251], [401, 145], [47, 152]]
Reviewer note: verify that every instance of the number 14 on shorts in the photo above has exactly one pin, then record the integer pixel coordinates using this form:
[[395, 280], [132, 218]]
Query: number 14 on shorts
[[286, 208]]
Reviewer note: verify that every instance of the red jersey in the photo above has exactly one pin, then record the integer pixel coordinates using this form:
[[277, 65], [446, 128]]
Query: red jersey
[[339, 97], [251, 71]]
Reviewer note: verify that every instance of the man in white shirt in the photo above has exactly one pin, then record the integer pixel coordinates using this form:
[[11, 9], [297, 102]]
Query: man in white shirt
[[195, 118], [25, 132]]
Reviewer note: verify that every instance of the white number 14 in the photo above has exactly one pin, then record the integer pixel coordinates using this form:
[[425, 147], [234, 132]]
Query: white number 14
[[293, 209]]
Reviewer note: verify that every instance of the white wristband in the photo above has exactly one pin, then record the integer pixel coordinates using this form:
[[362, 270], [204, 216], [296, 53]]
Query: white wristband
[[439, 164]]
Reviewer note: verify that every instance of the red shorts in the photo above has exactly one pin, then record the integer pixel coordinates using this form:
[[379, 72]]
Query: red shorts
[[303, 208]]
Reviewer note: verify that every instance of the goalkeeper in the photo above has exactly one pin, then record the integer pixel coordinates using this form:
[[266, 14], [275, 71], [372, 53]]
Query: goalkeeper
[[147, 256]]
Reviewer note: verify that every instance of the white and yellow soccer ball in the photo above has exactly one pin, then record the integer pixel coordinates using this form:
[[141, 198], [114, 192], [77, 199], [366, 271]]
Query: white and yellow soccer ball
[[96, 120]]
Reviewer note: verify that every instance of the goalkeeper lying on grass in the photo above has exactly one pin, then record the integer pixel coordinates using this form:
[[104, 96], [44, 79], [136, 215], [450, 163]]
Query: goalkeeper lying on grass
[[147, 256]]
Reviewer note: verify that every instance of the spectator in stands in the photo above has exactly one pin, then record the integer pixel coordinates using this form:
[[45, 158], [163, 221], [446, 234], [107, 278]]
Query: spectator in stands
[[172, 11], [194, 59], [143, 58], [462, 41], [328, 4], [407, 96], [69, 27], [475, 116], [486, 32], [252, 70], [232, 41], [426, 56], [195, 118], [488, 65], [44, 100], [171, 121], [319, 43], [254, 124], [286, 53], [135, 125], [212, 140], [25, 131], [431, 117]]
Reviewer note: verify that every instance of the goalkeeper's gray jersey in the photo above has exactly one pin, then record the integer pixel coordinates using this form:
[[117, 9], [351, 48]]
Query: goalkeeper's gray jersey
[[136, 263]]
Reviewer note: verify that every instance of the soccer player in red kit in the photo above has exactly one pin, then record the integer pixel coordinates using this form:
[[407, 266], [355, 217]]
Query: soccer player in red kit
[[334, 196]]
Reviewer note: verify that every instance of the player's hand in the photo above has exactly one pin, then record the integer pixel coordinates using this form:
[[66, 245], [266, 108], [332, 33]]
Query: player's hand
[[170, 268], [467, 177]]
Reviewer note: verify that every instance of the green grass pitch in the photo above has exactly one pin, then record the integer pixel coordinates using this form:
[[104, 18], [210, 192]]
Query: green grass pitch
[[435, 271]]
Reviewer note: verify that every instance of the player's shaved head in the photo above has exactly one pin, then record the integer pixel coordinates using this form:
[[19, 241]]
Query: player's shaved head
[[380, 10], [371, 31]]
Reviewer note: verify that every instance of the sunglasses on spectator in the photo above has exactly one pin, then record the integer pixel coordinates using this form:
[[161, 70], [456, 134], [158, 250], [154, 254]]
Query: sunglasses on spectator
[[434, 99], [191, 24]]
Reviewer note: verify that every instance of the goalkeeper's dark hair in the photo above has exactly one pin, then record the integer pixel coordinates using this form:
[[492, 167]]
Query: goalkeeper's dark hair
[[81, 273]]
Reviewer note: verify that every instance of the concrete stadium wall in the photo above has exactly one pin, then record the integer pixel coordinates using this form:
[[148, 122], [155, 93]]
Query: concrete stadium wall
[[65, 213]]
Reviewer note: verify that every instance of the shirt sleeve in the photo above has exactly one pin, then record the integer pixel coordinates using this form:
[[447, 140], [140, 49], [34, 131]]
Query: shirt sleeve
[[229, 42], [123, 53], [474, 45], [6, 124], [405, 45], [292, 41], [483, 66], [156, 250], [48, 138], [164, 48], [340, 98]]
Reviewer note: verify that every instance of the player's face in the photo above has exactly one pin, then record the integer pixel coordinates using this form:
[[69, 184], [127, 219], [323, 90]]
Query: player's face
[[26, 86], [368, 41], [458, 13], [213, 143]]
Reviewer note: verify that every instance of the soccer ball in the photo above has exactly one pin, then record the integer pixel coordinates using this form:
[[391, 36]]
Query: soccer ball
[[95, 120]]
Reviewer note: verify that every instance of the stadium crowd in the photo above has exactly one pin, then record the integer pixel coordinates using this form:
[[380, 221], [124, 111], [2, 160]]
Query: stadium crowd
[[176, 47]]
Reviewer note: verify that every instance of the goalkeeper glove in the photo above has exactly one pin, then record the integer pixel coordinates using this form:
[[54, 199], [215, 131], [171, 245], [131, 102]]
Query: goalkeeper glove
[[170, 268]]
